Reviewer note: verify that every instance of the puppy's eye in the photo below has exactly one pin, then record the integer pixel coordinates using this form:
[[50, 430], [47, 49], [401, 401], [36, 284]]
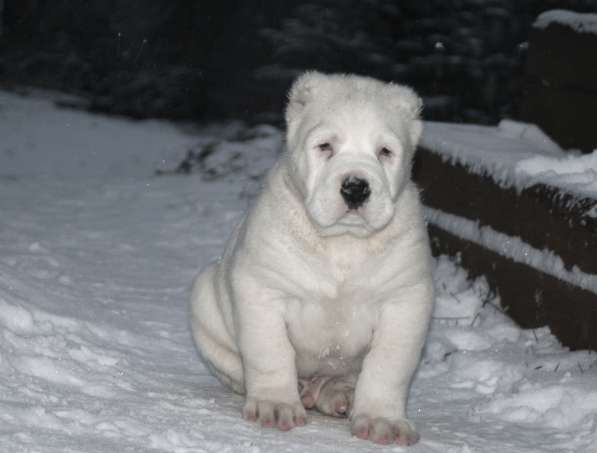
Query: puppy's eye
[[326, 148], [385, 153]]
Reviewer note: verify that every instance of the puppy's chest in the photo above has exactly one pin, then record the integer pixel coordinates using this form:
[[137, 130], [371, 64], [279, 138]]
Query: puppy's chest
[[347, 263], [329, 335], [331, 325]]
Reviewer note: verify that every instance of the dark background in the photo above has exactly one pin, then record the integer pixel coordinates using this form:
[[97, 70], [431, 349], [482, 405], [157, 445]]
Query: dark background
[[207, 60]]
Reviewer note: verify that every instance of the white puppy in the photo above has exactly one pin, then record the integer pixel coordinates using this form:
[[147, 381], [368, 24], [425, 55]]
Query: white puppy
[[324, 293]]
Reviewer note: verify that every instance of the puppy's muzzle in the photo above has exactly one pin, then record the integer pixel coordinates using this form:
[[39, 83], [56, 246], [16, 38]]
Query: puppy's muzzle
[[355, 191]]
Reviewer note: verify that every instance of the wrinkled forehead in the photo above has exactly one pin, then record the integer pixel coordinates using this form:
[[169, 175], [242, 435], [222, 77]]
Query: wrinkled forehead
[[362, 117]]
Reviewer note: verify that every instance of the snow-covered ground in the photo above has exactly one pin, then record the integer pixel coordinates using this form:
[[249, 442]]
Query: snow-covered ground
[[96, 259]]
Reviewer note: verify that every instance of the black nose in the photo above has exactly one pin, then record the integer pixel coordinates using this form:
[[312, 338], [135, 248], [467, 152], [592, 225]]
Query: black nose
[[355, 191]]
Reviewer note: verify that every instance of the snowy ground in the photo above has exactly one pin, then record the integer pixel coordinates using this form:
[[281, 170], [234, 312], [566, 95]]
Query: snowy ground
[[96, 259]]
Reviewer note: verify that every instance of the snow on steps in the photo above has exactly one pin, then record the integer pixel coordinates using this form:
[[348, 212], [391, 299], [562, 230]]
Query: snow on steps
[[582, 23], [512, 205]]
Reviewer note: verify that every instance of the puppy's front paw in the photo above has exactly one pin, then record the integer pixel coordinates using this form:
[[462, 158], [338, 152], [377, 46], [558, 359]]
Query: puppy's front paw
[[273, 414], [383, 430]]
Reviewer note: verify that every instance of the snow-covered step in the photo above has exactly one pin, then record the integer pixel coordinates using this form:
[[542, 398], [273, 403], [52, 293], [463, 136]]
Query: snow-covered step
[[517, 208]]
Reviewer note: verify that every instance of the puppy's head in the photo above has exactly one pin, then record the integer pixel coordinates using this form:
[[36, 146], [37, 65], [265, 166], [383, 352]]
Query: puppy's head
[[351, 141]]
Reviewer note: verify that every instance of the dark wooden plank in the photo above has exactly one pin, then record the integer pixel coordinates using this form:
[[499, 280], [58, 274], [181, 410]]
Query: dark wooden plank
[[566, 114], [542, 216], [560, 86], [532, 298], [562, 57]]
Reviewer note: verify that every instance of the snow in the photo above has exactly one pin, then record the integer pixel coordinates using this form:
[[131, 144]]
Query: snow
[[579, 22], [95, 272], [39, 143], [529, 133], [513, 154], [553, 406], [577, 173], [511, 247]]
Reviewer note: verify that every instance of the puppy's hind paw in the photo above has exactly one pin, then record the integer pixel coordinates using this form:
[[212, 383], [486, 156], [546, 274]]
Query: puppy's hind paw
[[335, 398]]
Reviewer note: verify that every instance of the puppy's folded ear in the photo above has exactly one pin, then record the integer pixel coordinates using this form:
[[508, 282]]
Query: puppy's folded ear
[[409, 103], [415, 132], [302, 92]]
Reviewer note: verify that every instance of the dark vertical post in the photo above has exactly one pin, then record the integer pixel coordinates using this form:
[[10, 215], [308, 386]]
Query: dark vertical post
[[1, 16]]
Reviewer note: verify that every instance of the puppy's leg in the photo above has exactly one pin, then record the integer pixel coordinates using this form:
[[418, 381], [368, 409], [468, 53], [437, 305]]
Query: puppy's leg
[[269, 363], [379, 411], [210, 332]]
